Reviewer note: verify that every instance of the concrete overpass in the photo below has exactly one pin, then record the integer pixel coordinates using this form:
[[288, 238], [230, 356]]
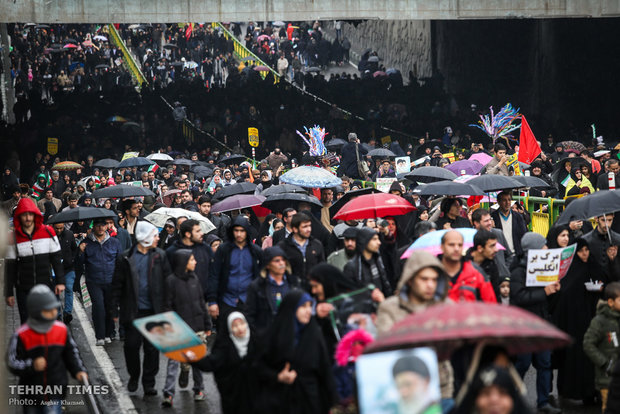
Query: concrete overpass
[[170, 11]]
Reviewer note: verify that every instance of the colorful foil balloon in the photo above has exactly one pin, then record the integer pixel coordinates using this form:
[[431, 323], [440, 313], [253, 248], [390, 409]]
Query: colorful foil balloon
[[316, 140], [501, 124]]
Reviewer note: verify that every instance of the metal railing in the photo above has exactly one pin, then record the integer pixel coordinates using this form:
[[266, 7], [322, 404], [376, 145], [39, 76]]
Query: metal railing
[[128, 59], [245, 55], [544, 211]]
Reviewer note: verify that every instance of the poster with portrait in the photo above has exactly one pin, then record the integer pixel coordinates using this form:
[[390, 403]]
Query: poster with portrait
[[171, 336], [403, 165], [398, 382]]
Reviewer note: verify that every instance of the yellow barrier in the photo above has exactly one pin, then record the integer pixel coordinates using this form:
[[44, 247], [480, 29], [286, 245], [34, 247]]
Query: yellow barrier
[[243, 54], [540, 223], [128, 59]]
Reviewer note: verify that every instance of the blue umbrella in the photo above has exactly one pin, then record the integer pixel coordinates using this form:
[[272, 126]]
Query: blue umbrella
[[312, 177]]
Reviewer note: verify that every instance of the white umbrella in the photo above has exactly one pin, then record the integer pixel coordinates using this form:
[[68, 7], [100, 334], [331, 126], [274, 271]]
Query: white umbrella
[[102, 38], [158, 217], [160, 157], [191, 65]]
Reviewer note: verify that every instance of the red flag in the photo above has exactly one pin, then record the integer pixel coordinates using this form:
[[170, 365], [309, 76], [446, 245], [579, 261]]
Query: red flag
[[528, 146], [188, 31]]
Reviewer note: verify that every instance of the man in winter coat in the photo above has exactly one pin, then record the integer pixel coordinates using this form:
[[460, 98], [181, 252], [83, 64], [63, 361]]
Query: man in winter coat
[[266, 292], [237, 262], [367, 266], [601, 342], [511, 224], [422, 284], [139, 287], [98, 253], [32, 252], [340, 257], [302, 250], [497, 165], [184, 295], [192, 238], [42, 351], [275, 159], [204, 208], [466, 281], [348, 164], [535, 300], [481, 220]]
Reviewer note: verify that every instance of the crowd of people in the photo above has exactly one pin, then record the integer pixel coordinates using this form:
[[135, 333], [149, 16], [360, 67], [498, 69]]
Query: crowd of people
[[259, 279]]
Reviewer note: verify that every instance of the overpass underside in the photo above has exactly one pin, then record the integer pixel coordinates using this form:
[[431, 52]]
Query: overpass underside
[[171, 11]]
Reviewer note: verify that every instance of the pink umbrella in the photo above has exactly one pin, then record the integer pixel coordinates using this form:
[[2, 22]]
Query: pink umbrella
[[481, 157], [87, 43], [263, 37], [379, 73], [261, 68], [70, 46]]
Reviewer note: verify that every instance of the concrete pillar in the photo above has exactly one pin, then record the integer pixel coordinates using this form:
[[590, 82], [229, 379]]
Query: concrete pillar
[[8, 92]]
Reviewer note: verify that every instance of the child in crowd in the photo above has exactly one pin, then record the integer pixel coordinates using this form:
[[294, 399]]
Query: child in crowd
[[601, 341], [504, 291]]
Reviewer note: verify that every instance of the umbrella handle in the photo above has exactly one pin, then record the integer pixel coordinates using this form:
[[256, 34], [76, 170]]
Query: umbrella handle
[[471, 371]]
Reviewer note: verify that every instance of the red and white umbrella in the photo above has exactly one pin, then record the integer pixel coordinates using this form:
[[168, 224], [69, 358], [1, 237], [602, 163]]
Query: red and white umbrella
[[374, 206]]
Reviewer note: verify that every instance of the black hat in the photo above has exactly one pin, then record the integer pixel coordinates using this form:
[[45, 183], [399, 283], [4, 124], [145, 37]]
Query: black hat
[[411, 363], [350, 233], [271, 253]]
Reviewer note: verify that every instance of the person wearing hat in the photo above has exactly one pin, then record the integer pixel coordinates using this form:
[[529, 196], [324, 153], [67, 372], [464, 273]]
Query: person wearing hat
[[535, 300], [351, 153], [265, 293], [558, 154], [41, 352], [367, 267], [98, 253], [32, 253], [339, 258], [412, 379], [138, 287]]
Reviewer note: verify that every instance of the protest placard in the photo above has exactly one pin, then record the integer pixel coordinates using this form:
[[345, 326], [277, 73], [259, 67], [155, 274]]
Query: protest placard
[[548, 266]]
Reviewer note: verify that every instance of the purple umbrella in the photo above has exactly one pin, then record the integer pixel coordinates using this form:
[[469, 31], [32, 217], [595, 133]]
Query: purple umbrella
[[482, 157], [238, 202], [471, 167]]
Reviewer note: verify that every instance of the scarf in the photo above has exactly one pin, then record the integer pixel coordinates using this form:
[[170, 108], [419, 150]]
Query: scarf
[[240, 343]]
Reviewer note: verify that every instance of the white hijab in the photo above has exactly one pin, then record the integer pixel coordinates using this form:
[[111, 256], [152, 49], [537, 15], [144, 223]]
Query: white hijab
[[240, 343]]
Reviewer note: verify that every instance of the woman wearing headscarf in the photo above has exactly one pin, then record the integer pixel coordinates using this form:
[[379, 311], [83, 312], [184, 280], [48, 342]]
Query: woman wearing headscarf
[[578, 184], [168, 235], [231, 361], [573, 307], [294, 366], [276, 224], [558, 236], [263, 230]]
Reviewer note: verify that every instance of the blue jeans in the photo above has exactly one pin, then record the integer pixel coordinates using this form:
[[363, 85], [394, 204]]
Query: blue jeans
[[447, 404], [69, 279], [542, 364], [54, 407], [101, 297]]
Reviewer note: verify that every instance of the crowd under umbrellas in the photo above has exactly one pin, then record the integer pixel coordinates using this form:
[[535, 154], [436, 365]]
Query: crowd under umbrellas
[[446, 330]]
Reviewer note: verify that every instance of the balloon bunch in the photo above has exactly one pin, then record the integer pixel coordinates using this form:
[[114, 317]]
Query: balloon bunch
[[501, 124], [316, 140]]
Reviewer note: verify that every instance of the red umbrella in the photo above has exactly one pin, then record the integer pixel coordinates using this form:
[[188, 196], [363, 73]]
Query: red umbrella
[[70, 46], [448, 326], [374, 206]]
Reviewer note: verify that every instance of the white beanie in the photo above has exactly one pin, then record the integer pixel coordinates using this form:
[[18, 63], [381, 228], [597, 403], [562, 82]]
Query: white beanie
[[145, 233]]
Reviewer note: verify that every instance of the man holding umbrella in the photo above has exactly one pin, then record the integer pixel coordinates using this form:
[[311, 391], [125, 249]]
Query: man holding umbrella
[[603, 241]]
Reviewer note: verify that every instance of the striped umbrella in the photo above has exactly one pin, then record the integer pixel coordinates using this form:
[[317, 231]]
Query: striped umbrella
[[67, 166]]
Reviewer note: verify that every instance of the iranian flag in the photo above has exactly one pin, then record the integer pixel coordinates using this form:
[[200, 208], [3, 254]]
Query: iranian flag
[[37, 189], [153, 168]]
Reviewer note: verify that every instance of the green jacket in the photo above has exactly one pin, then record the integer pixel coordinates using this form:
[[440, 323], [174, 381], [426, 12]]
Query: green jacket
[[338, 259], [601, 342]]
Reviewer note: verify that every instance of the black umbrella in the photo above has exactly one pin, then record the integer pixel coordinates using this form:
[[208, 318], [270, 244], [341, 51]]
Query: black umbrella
[[381, 152], [313, 69], [233, 159], [239, 188], [283, 188], [202, 172], [202, 164], [593, 205], [135, 162], [430, 175], [70, 40], [279, 202], [177, 64], [531, 181], [348, 196], [492, 182], [170, 46], [43, 26], [102, 66], [335, 143], [122, 191], [183, 161], [106, 163], [80, 214], [373, 59], [448, 188]]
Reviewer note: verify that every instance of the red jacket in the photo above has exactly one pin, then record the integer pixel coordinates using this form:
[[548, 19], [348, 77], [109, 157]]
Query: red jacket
[[29, 258], [471, 286]]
